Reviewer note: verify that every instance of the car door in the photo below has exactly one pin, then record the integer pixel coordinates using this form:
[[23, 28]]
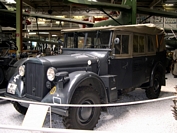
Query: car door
[[139, 60], [121, 61]]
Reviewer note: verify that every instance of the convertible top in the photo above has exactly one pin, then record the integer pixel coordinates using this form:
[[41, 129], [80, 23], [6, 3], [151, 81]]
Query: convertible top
[[137, 28]]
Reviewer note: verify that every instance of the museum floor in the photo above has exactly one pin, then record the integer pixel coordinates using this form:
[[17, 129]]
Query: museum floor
[[154, 117]]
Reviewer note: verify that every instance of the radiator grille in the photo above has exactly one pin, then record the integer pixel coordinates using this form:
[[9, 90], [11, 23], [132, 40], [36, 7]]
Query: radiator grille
[[34, 81]]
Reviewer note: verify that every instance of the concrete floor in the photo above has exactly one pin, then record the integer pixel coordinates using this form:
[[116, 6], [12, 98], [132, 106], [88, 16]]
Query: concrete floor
[[154, 117]]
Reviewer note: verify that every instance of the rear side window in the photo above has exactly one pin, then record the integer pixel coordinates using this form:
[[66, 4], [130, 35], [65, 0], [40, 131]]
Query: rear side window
[[151, 44], [138, 43]]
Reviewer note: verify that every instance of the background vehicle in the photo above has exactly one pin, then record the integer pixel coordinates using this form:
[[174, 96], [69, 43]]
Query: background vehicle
[[98, 65], [7, 59]]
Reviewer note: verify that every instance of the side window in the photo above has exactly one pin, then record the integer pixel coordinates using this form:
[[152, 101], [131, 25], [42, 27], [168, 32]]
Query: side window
[[151, 43], [141, 44], [135, 43], [161, 43], [125, 42], [122, 46], [138, 43]]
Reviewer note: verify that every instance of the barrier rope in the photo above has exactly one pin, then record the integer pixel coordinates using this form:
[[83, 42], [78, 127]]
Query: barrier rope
[[174, 107], [49, 130], [93, 105], [52, 130]]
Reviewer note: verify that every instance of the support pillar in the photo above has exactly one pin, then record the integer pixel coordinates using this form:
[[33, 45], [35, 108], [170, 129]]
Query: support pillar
[[134, 8], [19, 25]]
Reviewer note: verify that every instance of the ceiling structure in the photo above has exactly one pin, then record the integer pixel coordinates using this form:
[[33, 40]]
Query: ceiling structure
[[59, 8]]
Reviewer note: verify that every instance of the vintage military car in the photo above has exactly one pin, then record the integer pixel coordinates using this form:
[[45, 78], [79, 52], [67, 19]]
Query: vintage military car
[[96, 66]]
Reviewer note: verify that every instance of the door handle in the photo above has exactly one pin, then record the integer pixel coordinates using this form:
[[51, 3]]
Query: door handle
[[125, 66]]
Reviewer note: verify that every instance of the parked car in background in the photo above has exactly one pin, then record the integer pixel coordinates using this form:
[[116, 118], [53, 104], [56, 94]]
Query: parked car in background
[[7, 58]]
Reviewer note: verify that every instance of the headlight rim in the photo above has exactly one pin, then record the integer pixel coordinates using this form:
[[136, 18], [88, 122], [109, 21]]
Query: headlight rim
[[53, 70], [21, 70]]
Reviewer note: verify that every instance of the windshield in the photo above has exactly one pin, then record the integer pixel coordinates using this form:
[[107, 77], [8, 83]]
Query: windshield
[[91, 39]]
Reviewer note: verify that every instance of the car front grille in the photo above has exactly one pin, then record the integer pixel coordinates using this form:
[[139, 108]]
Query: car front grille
[[35, 81]]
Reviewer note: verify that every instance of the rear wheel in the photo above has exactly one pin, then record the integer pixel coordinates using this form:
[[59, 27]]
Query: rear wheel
[[154, 91], [83, 117], [19, 108]]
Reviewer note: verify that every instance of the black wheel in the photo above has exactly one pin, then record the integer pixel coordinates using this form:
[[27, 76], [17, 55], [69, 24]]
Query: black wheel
[[1, 76], [83, 117], [154, 91], [19, 108]]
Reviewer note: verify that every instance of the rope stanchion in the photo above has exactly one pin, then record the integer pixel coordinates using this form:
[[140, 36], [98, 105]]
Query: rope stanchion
[[93, 105], [174, 107]]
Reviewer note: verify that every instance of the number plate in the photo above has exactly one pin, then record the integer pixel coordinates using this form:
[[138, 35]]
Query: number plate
[[11, 88]]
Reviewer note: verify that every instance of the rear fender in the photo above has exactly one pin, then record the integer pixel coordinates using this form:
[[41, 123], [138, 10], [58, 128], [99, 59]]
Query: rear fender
[[158, 68]]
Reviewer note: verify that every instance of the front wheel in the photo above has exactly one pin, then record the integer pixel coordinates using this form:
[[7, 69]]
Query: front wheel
[[83, 117], [154, 91], [19, 108]]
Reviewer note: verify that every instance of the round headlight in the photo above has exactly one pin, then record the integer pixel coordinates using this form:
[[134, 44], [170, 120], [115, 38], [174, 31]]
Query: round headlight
[[21, 70], [51, 73]]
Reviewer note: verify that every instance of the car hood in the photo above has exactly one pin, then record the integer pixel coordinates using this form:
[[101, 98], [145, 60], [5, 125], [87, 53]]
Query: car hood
[[66, 60]]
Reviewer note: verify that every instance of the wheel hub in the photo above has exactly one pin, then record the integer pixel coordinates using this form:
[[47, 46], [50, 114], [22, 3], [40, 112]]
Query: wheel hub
[[85, 113], [156, 85]]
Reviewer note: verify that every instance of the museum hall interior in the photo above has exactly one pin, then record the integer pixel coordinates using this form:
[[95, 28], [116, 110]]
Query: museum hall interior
[[88, 66]]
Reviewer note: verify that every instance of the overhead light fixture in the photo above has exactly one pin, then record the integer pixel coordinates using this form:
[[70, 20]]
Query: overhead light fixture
[[43, 32], [93, 0], [98, 16], [54, 35], [11, 1], [78, 17], [169, 4], [41, 22], [60, 16], [58, 22], [32, 33]]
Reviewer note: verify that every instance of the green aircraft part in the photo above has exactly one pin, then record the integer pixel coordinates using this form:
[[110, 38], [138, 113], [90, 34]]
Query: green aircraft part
[[103, 5], [124, 17], [127, 8], [134, 5]]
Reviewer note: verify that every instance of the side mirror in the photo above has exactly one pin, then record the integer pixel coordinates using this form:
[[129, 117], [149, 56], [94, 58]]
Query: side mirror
[[116, 41]]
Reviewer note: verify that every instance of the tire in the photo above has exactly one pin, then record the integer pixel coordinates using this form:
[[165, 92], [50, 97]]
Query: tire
[[154, 91], [19, 108], [84, 118], [1, 76]]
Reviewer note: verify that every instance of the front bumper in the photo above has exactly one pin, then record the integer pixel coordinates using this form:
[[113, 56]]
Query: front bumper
[[23, 101]]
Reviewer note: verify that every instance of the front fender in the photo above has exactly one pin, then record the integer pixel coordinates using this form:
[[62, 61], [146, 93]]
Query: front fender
[[11, 70], [64, 95], [17, 80]]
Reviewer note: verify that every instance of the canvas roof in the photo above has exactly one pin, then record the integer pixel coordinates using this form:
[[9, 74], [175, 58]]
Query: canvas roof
[[137, 28]]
